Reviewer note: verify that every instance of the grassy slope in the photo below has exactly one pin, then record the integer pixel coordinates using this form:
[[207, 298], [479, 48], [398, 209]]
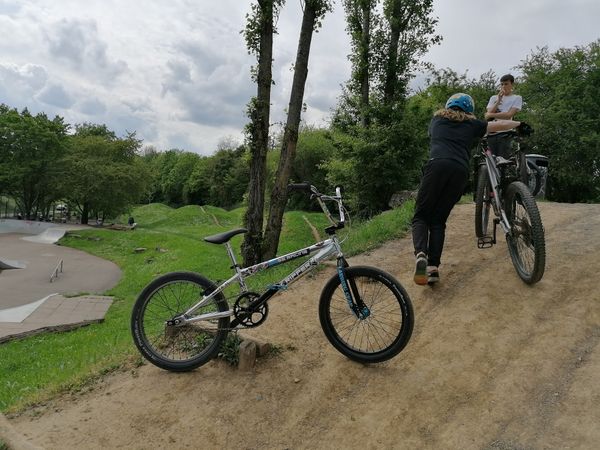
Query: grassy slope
[[38, 367]]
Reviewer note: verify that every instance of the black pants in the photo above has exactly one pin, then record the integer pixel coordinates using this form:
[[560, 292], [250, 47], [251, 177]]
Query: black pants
[[442, 186], [500, 144]]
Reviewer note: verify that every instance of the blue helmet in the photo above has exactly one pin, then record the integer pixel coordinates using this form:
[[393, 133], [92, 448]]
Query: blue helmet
[[462, 101]]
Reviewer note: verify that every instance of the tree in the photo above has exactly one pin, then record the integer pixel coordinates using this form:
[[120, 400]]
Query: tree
[[103, 174], [386, 48], [562, 95], [220, 179], [360, 17], [175, 176], [314, 10], [31, 148], [409, 34], [259, 40]]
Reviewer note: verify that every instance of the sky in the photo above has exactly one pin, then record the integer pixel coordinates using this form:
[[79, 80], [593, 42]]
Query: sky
[[177, 72]]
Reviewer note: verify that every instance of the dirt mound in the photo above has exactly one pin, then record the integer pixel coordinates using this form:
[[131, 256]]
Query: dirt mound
[[492, 363]]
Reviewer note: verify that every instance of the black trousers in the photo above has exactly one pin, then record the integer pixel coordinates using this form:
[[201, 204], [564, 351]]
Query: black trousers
[[442, 186], [500, 144]]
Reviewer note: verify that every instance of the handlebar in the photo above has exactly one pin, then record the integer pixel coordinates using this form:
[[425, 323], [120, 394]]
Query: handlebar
[[321, 199], [299, 187]]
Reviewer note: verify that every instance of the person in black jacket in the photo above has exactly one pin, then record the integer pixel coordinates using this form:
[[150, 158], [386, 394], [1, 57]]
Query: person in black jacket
[[452, 132]]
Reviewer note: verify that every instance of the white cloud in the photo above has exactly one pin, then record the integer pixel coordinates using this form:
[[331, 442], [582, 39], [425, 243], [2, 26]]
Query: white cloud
[[77, 43], [56, 95]]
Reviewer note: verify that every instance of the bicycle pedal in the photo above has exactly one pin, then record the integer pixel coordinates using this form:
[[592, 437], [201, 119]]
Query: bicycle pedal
[[485, 242]]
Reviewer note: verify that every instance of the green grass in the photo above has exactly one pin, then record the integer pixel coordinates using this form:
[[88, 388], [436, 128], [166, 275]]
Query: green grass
[[39, 367]]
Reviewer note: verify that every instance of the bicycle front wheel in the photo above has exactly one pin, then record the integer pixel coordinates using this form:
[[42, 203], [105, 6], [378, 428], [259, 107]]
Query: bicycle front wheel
[[177, 348], [483, 203], [526, 241], [388, 326]]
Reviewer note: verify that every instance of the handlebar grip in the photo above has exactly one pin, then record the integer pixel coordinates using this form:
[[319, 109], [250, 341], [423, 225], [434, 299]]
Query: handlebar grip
[[299, 187]]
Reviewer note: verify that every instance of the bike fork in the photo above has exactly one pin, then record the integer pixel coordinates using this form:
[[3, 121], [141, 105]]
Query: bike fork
[[355, 302]]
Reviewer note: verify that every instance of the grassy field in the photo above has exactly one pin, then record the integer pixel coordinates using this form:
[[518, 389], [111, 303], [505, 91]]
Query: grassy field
[[36, 368]]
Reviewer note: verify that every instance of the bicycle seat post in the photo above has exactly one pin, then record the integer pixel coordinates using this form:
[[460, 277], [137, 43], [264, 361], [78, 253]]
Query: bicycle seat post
[[234, 265]]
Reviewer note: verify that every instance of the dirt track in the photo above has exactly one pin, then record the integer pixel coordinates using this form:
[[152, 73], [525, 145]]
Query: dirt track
[[492, 364]]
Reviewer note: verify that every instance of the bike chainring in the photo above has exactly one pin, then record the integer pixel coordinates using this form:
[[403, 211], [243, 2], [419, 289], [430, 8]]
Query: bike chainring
[[247, 315]]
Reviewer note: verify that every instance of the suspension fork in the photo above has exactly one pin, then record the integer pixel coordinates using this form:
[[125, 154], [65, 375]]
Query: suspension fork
[[353, 297]]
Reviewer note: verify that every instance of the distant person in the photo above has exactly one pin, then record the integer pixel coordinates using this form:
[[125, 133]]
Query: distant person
[[452, 131], [503, 105], [132, 223]]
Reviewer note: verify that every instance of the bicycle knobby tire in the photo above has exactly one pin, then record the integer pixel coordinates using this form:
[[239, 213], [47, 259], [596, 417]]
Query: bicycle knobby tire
[[483, 203], [526, 241], [386, 330], [175, 348]]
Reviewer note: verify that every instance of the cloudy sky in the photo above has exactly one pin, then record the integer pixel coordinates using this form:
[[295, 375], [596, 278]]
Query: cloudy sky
[[177, 71]]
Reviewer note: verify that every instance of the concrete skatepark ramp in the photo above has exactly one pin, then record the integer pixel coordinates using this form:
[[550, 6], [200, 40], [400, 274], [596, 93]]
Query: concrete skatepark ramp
[[44, 232], [8, 264], [24, 293]]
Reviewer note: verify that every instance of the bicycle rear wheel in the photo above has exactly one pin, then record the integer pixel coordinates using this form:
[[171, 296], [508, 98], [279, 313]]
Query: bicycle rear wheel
[[177, 348], [384, 332], [526, 241], [483, 203], [534, 181]]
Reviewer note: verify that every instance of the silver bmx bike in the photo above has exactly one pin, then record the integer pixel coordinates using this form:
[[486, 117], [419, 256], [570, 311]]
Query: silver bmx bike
[[180, 320]]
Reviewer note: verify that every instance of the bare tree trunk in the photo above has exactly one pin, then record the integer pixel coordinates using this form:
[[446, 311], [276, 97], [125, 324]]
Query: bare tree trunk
[[254, 217], [290, 136]]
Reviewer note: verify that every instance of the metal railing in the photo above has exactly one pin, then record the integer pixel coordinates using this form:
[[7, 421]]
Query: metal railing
[[58, 269]]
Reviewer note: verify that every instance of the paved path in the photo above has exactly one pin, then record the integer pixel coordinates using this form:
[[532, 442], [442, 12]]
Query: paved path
[[27, 295]]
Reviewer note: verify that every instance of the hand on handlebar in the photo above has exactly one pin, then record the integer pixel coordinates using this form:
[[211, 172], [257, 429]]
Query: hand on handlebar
[[524, 129]]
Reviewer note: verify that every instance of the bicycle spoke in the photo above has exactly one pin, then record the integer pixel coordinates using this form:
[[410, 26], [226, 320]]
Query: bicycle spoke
[[184, 346], [379, 329]]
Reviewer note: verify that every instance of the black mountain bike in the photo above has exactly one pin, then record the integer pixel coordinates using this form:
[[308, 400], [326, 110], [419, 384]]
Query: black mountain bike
[[501, 191], [180, 320]]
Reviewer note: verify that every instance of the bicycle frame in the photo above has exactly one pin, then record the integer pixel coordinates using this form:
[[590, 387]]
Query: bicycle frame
[[494, 176], [325, 250]]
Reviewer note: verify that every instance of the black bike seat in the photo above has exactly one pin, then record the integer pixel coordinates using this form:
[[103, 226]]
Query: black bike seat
[[221, 238]]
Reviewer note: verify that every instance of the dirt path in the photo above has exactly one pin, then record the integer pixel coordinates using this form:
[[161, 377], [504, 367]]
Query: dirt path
[[492, 364]]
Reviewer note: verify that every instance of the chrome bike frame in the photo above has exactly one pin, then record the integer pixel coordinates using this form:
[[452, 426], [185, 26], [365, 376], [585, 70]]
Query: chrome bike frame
[[325, 250]]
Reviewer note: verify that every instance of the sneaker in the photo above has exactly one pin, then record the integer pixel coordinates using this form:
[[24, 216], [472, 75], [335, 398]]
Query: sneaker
[[421, 269], [433, 275]]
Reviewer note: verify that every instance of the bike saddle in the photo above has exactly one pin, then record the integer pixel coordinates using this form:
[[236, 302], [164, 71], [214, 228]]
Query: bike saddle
[[221, 238]]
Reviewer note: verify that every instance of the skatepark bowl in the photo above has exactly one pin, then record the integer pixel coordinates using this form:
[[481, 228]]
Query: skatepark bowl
[[40, 282]]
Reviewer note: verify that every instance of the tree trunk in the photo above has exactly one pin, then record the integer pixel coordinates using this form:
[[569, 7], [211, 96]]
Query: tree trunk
[[85, 212], [259, 140], [391, 73], [290, 136], [364, 63]]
